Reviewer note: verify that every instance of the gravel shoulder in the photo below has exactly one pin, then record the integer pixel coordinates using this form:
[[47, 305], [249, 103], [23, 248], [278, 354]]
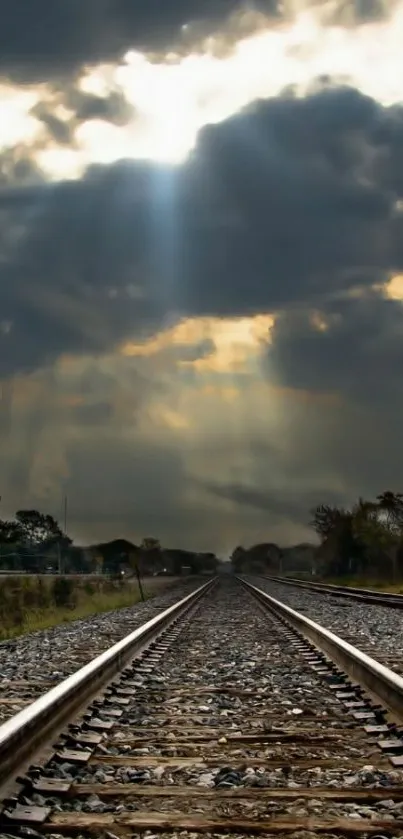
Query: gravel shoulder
[[34, 663], [252, 682], [377, 630]]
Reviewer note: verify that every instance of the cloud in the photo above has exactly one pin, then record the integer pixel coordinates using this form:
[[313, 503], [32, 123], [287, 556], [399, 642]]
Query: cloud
[[292, 200], [136, 456], [203, 352], [352, 346], [113, 107], [47, 39], [282, 507], [57, 128]]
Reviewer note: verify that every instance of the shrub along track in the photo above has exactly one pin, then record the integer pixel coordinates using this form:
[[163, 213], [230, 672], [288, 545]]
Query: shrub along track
[[229, 722]]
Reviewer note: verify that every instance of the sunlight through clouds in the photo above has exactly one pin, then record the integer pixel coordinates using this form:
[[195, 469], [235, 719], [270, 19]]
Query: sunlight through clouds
[[174, 99], [16, 123], [219, 342]]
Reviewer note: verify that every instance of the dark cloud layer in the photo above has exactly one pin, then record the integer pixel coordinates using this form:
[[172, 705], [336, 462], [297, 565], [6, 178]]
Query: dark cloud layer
[[292, 207], [39, 38], [358, 351], [292, 202], [42, 39], [285, 505]]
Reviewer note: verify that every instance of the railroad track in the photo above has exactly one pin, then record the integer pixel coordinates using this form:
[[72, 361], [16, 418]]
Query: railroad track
[[33, 664], [377, 630], [228, 714], [363, 595]]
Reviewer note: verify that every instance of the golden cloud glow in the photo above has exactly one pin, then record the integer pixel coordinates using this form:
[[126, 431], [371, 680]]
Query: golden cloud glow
[[236, 342], [169, 418], [394, 288], [226, 394], [319, 322]]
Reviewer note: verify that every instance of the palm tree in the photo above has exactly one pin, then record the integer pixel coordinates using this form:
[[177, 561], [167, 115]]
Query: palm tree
[[391, 505]]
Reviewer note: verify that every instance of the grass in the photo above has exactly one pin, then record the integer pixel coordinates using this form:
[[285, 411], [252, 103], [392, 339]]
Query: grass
[[28, 604], [394, 587], [36, 619], [359, 581]]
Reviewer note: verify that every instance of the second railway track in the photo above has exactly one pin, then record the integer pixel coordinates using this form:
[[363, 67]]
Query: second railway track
[[230, 722], [375, 628], [362, 595]]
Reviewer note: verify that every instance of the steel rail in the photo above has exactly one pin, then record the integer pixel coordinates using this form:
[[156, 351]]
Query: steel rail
[[364, 595], [27, 732], [370, 674]]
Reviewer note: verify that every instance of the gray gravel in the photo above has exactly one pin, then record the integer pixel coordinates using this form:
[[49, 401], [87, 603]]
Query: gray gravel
[[34, 663], [235, 670], [377, 630]]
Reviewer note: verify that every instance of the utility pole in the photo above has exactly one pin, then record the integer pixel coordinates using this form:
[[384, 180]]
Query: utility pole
[[59, 559], [139, 582]]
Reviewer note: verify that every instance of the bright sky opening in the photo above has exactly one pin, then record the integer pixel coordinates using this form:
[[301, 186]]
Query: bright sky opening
[[172, 100]]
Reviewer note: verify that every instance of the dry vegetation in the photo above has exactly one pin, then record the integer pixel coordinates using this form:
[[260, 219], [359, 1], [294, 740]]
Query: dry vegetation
[[31, 603]]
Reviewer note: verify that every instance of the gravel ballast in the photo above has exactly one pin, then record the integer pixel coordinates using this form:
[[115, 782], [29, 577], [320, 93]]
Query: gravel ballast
[[34, 663], [233, 670], [377, 630]]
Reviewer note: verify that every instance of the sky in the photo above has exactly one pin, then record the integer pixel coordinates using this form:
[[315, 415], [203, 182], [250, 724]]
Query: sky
[[201, 264]]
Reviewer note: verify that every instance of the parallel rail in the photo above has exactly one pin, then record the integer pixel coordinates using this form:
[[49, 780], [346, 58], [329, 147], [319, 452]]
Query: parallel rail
[[216, 744], [364, 595], [370, 674], [28, 731]]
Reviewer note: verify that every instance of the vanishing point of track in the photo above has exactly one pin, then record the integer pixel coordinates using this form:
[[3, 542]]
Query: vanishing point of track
[[228, 714]]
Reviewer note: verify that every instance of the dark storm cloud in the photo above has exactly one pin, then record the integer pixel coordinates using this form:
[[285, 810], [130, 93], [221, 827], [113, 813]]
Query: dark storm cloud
[[93, 414], [291, 202], [83, 107], [42, 39], [59, 130], [17, 168], [113, 108], [150, 499], [71, 271], [298, 178], [358, 351], [277, 503]]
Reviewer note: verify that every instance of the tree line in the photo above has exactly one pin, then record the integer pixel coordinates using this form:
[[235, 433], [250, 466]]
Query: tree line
[[365, 539], [34, 543], [28, 541]]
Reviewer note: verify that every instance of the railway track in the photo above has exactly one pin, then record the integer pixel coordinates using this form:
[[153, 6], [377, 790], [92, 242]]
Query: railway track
[[374, 627], [229, 714], [362, 595], [32, 664]]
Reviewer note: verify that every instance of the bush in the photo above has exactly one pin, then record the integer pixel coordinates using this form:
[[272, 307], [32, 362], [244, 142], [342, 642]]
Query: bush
[[43, 594], [62, 591]]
